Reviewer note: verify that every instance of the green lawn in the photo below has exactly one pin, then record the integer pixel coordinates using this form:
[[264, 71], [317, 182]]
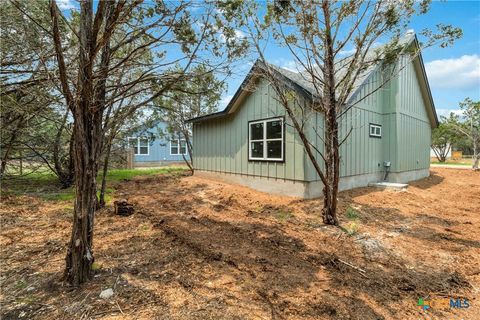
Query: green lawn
[[452, 163], [45, 184]]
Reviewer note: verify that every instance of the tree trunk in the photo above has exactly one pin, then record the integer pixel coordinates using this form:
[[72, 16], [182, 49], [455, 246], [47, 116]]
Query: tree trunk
[[88, 136], [332, 158], [190, 152], [79, 258], [10, 144]]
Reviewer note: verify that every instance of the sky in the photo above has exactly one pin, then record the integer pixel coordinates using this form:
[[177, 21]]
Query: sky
[[453, 72]]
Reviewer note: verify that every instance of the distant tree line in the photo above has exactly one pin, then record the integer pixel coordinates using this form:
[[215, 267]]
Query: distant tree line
[[459, 132]]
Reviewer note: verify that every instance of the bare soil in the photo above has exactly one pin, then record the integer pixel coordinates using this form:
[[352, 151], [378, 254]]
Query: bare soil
[[201, 249]]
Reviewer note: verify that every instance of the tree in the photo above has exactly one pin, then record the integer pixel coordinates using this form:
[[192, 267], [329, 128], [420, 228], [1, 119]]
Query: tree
[[197, 96], [442, 139], [34, 119], [468, 125], [316, 33], [113, 40]]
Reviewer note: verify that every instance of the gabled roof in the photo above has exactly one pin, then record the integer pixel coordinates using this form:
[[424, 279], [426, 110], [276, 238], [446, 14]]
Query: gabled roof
[[300, 82]]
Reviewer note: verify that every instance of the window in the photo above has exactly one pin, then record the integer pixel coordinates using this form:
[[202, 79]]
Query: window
[[175, 149], [375, 130], [266, 140], [140, 145]]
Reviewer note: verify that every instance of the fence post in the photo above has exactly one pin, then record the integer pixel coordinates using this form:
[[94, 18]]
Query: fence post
[[130, 159]]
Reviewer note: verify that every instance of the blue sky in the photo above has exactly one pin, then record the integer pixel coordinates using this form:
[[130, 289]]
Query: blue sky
[[453, 72]]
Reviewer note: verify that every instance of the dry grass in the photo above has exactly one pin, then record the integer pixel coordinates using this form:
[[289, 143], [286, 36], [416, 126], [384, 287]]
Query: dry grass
[[200, 249]]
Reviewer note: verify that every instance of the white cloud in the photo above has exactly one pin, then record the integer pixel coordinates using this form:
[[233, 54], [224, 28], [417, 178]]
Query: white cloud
[[456, 73], [239, 34], [290, 65], [65, 4], [446, 112], [225, 100], [347, 52]]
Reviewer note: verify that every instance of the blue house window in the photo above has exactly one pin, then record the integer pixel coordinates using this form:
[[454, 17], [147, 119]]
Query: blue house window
[[266, 140], [140, 145], [177, 148]]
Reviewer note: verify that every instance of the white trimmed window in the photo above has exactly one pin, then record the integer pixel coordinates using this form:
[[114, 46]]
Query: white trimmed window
[[177, 148], [265, 140], [375, 130], [140, 145]]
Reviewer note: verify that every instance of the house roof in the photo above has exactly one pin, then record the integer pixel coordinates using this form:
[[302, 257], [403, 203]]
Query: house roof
[[300, 82]]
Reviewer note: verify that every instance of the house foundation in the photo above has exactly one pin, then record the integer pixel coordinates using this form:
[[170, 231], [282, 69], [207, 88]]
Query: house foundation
[[309, 189]]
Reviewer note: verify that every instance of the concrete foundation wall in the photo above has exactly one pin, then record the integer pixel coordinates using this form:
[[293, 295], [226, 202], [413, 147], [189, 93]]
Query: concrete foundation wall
[[407, 176], [271, 185], [146, 164], [309, 190]]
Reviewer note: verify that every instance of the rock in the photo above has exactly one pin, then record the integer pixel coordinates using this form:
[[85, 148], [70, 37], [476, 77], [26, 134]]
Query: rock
[[107, 293]]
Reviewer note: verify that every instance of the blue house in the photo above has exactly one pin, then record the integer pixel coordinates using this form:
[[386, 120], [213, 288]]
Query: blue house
[[156, 147]]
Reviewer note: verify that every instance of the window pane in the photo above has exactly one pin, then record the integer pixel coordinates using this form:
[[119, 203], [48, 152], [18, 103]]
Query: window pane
[[183, 150], [174, 150], [143, 142], [133, 143], [143, 150], [377, 131], [257, 149], [256, 131], [274, 129], [274, 149]]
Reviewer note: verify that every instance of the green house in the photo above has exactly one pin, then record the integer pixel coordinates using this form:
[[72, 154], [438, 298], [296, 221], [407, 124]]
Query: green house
[[252, 143]]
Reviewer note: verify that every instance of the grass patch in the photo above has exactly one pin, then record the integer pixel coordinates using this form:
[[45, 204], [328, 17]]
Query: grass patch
[[117, 175], [96, 266], [46, 186], [351, 228], [351, 214], [450, 163], [284, 215], [69, 195]]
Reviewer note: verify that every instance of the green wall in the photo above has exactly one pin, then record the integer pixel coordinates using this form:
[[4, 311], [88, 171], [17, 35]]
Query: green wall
[[413, 127], [220, 145]]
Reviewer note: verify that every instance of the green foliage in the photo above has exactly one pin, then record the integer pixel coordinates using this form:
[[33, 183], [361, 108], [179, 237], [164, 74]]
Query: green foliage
[[96, 266], [351, 214], [118, 175], [465, 127], [284, 215], [443, 137], [351, 228]]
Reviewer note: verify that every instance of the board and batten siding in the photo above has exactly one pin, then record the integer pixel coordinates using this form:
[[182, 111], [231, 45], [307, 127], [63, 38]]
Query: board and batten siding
[[221, 145], [359, 153], [413, 125]]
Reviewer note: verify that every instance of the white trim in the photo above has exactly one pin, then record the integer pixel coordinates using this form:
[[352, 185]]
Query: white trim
[[137, 148], [265, 140], [178, 147], [374, 133]]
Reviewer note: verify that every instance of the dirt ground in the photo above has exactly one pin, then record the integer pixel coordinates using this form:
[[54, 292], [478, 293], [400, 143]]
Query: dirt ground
[[200, 249]]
